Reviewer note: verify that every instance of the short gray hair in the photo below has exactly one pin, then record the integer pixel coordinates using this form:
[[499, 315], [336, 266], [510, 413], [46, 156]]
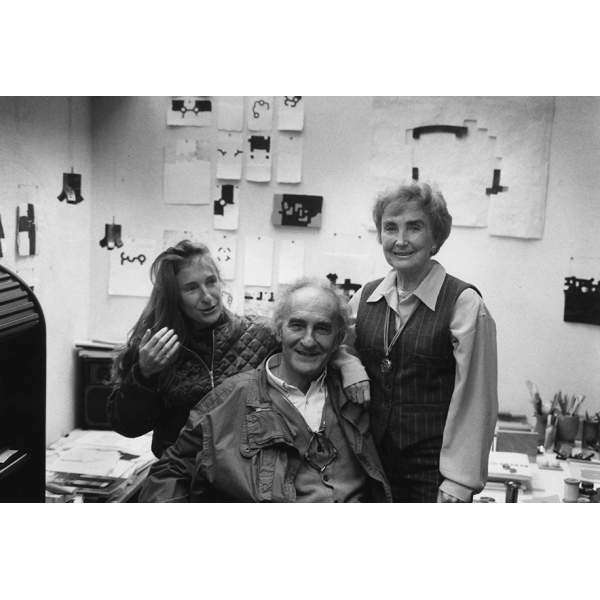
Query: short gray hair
[[429, 199], [341, 315]]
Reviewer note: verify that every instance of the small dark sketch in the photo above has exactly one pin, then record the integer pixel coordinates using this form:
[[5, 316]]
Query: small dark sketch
[[71, 190], [223, 254], [291, 101], [582, 301], [26, 224], [258, 104], [496, 187], [297, 210], [260, 142], [348, 288], [190, 104], [226, 198], [112, 236], [141, 258]]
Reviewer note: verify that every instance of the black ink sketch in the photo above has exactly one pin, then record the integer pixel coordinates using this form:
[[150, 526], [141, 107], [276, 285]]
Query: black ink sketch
[[26, 223], [496, 187], [298, 210], [226, 198], [190, 105], [259, 103], [71, 191], [582, 301], [348, 288], [292, 101], [141, 258], [260, 142], [112, 236]]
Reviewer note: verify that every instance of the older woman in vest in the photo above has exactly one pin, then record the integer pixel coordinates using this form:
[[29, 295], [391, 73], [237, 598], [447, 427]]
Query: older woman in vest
[[184, 344], [429, 345]]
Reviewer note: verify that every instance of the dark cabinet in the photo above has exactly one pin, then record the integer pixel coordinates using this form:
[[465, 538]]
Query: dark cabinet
[[22, 392]]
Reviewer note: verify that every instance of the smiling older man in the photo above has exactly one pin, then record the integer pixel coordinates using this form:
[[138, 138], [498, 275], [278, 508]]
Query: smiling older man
[[284, 432]]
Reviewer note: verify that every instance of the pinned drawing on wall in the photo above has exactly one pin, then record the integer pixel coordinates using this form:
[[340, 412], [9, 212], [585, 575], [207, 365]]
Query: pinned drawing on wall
[[297, 210], [112, 236], [129, 272], [229, 155], [260, 113], [258, 261], [186, 177], [289, 158], [346, 286], [291, 261], [259, 301], [194, 111], [230, 113], [258, 163], [582, 295], [26, 243], [489, 156], [226, 208], [224, 252], [71, 190], [348, 272], [1, 237], [291, 113]]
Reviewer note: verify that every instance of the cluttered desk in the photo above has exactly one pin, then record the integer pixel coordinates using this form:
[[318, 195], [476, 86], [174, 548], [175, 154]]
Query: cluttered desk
[[97, 466]]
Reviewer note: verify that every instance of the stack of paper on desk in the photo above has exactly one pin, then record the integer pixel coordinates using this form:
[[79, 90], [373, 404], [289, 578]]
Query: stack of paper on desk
[[510, 466]]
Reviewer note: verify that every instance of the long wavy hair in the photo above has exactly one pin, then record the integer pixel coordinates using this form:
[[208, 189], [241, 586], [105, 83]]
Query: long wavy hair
[[163, 308]]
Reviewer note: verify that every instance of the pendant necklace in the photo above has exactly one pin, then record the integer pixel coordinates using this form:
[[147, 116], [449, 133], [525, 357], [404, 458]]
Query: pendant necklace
[[386, 363]]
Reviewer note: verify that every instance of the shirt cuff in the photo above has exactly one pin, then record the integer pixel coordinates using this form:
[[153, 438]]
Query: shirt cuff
[[350, 367], [138, 379], [463, 493]]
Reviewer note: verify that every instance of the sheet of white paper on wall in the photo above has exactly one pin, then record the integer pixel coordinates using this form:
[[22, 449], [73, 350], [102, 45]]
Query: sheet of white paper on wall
[[129, 273], [230, 151], [186, 181], [291, 261], [224, 251], [354, 269], [289, 158], [186, 111], [460, 167], [258, 261], [291, 113], [226, 206], [258, 158], [260, 113], [230, 113]]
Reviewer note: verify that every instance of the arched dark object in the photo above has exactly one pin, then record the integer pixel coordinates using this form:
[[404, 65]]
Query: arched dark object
[[22, 392]]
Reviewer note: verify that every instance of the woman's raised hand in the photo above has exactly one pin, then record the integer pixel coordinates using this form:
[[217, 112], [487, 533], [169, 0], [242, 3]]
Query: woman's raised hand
[[157, 351]]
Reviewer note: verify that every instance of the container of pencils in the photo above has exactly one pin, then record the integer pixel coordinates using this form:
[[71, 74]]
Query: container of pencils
[[589, 433], [567, 427]]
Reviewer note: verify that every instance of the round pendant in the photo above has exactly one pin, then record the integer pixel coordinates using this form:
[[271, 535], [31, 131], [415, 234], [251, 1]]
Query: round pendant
[[386, 365]]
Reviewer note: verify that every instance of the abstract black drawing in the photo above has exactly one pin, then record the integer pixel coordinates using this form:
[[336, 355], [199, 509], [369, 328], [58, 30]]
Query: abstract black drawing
[[298, 210], [260, 142], [26, 230], [190, 104], [141, 258], [259, 104], [496, 187], [112, 236], [71, 191], [226, 198], [291, 101], [348, 288], [582, 301]]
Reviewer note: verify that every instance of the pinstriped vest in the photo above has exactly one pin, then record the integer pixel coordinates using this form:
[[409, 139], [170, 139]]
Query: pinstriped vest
[[410, 403]]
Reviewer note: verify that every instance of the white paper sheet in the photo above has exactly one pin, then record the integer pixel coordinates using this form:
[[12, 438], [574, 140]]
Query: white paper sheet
[[129, 273], [353, 267], [194, 111], [291, 113], [258, 261], [224, 251], [226, 206], [186, 180], [258, 158], [260, 113], [512, 134], [291, 261], [289, 158], [230, 113], [230, 151]]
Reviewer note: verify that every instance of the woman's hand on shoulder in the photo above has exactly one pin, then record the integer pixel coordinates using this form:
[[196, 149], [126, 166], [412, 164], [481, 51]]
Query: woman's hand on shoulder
[[157, 351]]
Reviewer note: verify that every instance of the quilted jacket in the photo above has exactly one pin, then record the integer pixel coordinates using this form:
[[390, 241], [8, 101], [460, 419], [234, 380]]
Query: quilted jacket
[[139, 405]]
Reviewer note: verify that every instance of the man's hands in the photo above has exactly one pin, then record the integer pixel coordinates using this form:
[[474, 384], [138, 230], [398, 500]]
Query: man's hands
[[157, 351], [359, 393]]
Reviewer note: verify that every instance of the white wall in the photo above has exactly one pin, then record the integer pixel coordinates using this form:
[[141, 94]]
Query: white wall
[[35, 150], [521, 281]]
